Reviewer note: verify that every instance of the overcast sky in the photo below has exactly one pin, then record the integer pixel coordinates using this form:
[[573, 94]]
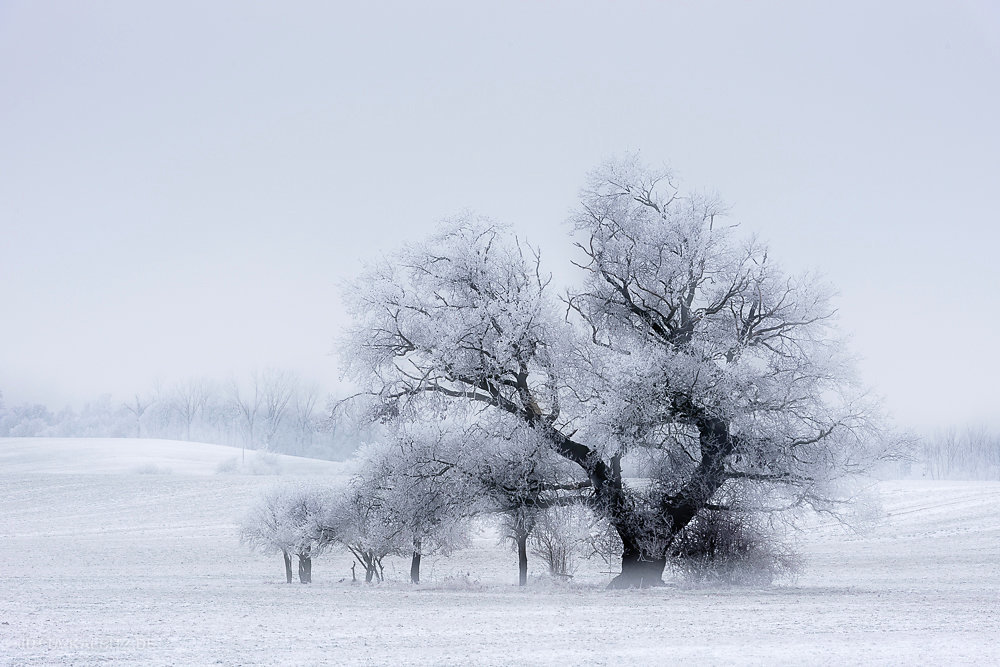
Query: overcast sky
[[184, 184]]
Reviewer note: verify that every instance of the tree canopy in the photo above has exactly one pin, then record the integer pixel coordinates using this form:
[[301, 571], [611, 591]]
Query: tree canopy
[[684, 356]]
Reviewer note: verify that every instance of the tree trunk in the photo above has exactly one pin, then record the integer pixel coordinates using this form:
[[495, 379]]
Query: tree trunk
[[415, 562], [641, 568], [288, 565], [638, 570], [522, 557], [305, 569], [369, 573]]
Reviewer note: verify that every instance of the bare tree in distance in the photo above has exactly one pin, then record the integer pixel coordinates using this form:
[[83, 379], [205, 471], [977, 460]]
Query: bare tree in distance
[[137, 407], [304, 401], [188, 400], [246, 404], [276, 389]]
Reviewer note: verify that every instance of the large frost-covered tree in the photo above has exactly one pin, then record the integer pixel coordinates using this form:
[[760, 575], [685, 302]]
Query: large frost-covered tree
[[685, 355]]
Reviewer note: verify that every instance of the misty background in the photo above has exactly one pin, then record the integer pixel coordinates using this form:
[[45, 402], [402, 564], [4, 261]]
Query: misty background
[[184, 187]]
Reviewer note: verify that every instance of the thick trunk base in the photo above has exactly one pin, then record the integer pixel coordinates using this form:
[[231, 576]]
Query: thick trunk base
[[639, 572]]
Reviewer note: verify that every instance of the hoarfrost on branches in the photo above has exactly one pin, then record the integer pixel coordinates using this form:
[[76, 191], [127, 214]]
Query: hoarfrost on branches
[[685, 357], [284, 520]]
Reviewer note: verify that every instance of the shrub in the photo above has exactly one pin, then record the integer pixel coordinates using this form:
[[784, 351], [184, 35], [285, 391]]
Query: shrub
[[558, 537], [151, 469], [605, 543], [257, 463], [732, 548]]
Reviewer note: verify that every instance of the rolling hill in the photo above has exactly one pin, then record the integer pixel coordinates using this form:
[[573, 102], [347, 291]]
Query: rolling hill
[[134, 455]]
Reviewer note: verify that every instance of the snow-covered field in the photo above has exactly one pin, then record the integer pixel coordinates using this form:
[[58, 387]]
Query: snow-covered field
[[103, 562], [128, 455]]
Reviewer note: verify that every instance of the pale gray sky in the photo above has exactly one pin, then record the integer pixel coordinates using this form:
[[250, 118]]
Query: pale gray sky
[[183, 184]]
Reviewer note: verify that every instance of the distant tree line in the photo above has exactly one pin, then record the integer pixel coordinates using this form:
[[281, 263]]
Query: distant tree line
[[272, 410], [971, 453]]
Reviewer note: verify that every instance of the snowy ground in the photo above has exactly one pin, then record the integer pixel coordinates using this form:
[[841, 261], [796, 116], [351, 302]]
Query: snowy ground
[[102, 562]]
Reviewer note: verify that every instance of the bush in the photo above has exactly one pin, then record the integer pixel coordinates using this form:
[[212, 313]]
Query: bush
[[732, 548], [257, 463], [605, 543], [151, 469], [559, 535], [460, 582], [230, 466]]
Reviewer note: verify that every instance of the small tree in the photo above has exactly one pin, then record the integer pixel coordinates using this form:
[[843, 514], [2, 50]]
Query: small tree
[[187, 402], [305, 420], [603, 541], [285, 519], [424, 497], [732, 548], [518, 522], [355, 519], [508, 471], [276, 389], [137, 407], [246, 405], [523, 479]]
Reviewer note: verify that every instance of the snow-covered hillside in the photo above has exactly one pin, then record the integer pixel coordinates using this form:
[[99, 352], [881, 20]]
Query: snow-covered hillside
[[133, 455], [101, 563]]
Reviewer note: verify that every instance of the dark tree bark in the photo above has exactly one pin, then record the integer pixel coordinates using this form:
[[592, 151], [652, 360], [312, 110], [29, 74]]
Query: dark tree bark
[[415, 562], [646, 537], [639, 570], [305, 569], [367, 559], [521, 535], [288, 566]]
